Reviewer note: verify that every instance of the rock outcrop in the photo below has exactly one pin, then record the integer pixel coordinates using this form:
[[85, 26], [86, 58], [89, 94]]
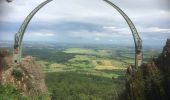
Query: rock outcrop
[[27, 77], [163, 62], [152, 80], [5, 60]]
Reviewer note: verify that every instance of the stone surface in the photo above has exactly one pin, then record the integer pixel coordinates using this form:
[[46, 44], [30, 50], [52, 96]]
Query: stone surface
[[152, 80], [27, 77]]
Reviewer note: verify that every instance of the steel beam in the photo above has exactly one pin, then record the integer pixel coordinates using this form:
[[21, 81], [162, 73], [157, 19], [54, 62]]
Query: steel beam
[[136, 37], [19, 36]]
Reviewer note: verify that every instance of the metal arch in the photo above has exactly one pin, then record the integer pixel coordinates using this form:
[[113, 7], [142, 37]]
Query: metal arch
[[29, 17], [20, 34], [137, 39]]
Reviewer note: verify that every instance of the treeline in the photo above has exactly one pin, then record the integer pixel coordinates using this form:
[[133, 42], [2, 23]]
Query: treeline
[[50, 56]]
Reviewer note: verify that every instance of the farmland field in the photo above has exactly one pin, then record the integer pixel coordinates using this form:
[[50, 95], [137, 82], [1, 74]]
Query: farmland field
[[84, 72]]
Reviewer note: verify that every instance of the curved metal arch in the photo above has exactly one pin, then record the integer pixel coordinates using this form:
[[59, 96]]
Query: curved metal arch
[[136, 37], [28, 19], [20, 34]]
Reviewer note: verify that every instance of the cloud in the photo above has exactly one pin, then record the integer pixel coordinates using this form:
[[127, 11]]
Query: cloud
[[97, 39], [111, 40], [86, 19], [118, 30], [155, 30], [140, 29], [41, 34], [96, 11]]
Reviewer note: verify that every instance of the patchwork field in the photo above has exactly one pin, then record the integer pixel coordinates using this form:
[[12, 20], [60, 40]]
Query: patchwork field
[[85, 73]]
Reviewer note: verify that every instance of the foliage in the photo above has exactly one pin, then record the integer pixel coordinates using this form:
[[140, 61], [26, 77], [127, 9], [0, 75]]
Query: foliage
[[50, 56], [79, 85], [146, 84], [80, 62], [17, 73], [76, 86], [10, 93]]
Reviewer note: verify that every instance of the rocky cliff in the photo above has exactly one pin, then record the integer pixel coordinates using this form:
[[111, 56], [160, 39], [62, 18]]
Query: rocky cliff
[[152, 80], [27, 77], [163, 61]]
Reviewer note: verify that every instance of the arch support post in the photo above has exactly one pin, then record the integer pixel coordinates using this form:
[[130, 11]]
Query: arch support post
[[138, 59], [16, 50]]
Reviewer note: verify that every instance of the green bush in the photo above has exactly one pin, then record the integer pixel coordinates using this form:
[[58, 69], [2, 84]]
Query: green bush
[[17, 73]]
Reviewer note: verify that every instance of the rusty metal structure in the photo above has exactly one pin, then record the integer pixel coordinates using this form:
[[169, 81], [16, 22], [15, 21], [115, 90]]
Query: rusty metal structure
[[17, 52]]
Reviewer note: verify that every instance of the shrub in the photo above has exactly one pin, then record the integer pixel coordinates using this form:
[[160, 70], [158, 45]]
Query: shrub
[[17, 73]]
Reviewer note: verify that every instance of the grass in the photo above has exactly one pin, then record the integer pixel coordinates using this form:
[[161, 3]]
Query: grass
[[80, 50], [10, 93]]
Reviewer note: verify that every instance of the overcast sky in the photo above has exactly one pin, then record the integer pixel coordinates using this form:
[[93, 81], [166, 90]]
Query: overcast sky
[[87, 21]]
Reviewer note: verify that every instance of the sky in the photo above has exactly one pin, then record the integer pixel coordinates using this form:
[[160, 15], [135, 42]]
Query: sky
[[87, 21]]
